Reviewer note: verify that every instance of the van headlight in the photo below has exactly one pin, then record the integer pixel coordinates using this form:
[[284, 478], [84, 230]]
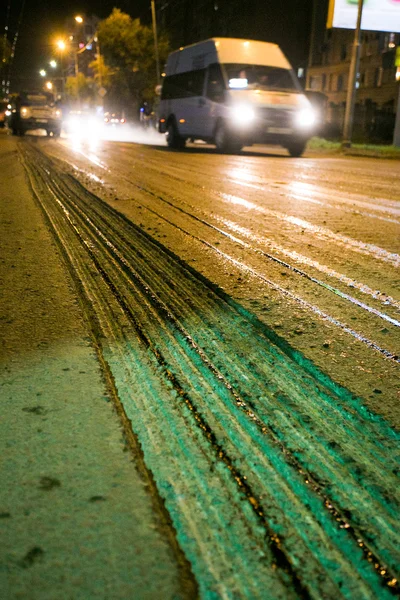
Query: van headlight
[[306, 118], [25, 113], [242, 114]]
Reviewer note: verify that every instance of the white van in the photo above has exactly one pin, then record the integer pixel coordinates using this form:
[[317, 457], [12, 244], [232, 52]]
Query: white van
[[234, 93]]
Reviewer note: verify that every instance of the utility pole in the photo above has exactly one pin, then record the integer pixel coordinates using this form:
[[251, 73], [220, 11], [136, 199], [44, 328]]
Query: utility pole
[[396, 135], [153, 15], [351, 88], [77, 79], [100, 74]]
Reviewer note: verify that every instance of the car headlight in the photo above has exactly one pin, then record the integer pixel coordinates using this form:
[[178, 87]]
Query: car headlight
[[306, 118], [73, 123], [58, 113], [243, 114], [91, 124], [25, 113]]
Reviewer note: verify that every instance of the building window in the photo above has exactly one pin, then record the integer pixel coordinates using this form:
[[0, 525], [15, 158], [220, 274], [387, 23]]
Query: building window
[[343, 52], [315, 83], [392, 41], [339, 83], [323, 82], [387, 42], [378, 77]]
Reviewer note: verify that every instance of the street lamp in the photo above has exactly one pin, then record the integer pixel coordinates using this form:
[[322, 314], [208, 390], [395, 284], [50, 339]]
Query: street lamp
[[42, 72], [53, 64], [49, 85], [79, 19], [61, 45]]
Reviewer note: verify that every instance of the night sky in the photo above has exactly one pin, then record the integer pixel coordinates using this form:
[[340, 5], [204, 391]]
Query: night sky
[[43, 22]]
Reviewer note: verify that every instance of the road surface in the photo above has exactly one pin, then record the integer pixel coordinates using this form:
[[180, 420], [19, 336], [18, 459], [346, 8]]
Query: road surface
[[246, 315]]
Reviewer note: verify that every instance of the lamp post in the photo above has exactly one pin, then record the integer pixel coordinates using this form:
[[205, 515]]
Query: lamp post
[[61, 46], [78, 20], [153, 14], [351, 86]]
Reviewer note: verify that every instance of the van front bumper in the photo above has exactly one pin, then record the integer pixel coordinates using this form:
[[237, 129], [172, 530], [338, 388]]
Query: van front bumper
[[260, 132], [28, 124]]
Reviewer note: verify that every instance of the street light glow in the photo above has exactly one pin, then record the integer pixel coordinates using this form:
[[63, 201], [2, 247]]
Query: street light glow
[[61, 45], [78, 19], [42, 72], [49, 85], [53, 64]]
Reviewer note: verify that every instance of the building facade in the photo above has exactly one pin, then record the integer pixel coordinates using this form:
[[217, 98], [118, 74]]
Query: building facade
[[377, 88], [287, 25]]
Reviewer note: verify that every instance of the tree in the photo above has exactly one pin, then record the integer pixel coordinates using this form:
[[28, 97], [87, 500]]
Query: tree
[[127, 48], [80, 89], [5, 60]]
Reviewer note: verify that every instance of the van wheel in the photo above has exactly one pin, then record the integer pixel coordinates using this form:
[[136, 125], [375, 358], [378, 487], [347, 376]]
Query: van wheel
[[174, 140], [296, 149], [225, 142]]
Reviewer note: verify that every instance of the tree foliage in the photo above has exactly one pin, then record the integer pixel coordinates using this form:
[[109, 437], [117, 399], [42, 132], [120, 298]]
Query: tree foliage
[[80, 89], [127, 50], [5, 51]]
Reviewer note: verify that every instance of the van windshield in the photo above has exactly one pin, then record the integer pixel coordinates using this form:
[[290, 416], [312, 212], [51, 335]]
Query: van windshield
[[245, 76]]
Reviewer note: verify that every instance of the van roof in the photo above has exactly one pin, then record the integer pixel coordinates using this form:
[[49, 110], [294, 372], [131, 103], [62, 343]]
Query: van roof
[[227, 50]]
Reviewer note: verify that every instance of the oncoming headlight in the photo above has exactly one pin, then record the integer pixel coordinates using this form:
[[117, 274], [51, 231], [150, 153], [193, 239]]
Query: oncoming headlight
[[73, 123], [91, 125], [25, 112], [243, 114], [306, 118]]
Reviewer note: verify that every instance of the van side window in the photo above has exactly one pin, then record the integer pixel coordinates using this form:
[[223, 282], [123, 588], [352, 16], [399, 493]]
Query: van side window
[[215, 83], [183, 85]]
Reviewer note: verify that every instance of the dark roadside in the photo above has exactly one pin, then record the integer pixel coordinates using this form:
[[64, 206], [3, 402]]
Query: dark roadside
[[79, 515]]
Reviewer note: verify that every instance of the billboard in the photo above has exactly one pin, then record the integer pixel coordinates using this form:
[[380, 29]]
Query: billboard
[[378, 15]]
